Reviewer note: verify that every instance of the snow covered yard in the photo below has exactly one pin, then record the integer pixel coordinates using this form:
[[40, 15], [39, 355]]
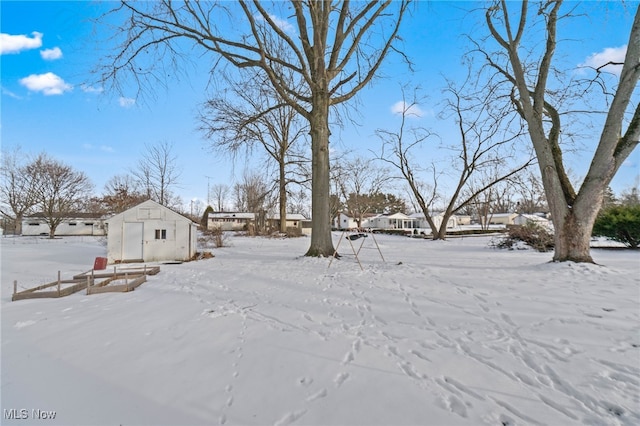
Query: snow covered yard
[[442, 333]]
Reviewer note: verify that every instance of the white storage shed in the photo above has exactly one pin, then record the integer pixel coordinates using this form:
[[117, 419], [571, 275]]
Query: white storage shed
[[150, 232]]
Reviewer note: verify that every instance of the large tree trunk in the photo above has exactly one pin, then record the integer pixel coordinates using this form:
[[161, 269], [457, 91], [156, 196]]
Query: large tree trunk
[[573, 228], [572, 240], [17, 227], [321, 242]]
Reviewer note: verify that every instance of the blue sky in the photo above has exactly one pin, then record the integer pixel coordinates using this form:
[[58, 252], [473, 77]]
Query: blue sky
[[48, 103]]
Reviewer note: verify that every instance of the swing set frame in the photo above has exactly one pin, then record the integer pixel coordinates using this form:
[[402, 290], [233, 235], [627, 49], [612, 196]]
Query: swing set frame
[[352, 235]]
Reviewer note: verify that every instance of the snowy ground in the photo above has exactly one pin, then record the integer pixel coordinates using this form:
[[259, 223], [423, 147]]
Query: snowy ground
[[442, 333]]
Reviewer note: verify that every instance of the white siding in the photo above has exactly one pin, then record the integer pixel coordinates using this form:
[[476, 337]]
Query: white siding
[[166, 235]]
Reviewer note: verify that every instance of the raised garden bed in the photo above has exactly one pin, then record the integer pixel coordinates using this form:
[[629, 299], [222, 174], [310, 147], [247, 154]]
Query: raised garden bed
[[119, 280]]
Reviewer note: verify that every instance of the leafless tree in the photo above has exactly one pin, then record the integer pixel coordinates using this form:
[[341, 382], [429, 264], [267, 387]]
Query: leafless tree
[[17, 195], [483, 154], [334, 49], [536, 93], [531, 193], [252, 115], [122, 192], [253, 194], [360, 180], [220, 192], [299, 202], [631, 196], [59, 189], [157, 173]]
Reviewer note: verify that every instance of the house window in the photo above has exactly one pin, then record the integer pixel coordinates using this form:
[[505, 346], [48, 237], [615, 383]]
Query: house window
[[161, 234], [72, 224], [88, 223], [33, 224]]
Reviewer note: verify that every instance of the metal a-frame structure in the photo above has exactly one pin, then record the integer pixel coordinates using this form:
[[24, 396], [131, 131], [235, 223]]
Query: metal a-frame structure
[[352, 235]]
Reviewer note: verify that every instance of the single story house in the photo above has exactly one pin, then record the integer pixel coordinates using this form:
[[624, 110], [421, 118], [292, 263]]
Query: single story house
[[523, 219], [437, 218], [343, 221], [150, 232], [500, 219], [74, 224], [230, 221], [392, 221], [293, 220]]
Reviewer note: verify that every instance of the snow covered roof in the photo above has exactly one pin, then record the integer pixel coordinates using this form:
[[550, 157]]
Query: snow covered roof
[[232, 215], [150, 204]]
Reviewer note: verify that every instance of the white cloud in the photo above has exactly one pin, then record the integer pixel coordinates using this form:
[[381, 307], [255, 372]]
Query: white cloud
[[48, 84], [91, 89], [126, 102], [401, 107], [17, 43], [106, 148], [51, 54], [609, 54]]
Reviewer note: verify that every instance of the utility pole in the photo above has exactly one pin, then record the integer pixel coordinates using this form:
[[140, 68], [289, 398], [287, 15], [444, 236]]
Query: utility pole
[[208, 190]]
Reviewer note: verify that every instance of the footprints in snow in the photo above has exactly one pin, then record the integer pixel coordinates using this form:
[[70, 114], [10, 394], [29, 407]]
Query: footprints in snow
[[229, 388]]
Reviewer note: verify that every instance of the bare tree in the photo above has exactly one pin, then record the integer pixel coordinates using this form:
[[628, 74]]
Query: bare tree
[[534, 83], [531, 193], [58, 189], [483, 153], [336, 50], [361, 179], [630, 196], [122, 192], [298, 202], [253, 194], [17, 195], [220, 192], [254, 115], [157, 173]]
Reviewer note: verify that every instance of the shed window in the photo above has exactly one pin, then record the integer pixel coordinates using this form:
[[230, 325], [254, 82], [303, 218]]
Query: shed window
[[34, 224], [72, 224], [88, 223], [161, 234]]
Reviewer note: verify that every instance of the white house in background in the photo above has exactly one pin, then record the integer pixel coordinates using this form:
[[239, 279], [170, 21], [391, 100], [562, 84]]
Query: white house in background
[[293, 220], [393, 221], [452, 222], [523, 219], [230, 221], [150, 232], [500, 219], [75, 224], [462, 219], [343, 221]]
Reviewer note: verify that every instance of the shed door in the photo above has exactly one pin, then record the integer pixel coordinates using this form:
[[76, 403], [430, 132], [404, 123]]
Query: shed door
[[132, 241]]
